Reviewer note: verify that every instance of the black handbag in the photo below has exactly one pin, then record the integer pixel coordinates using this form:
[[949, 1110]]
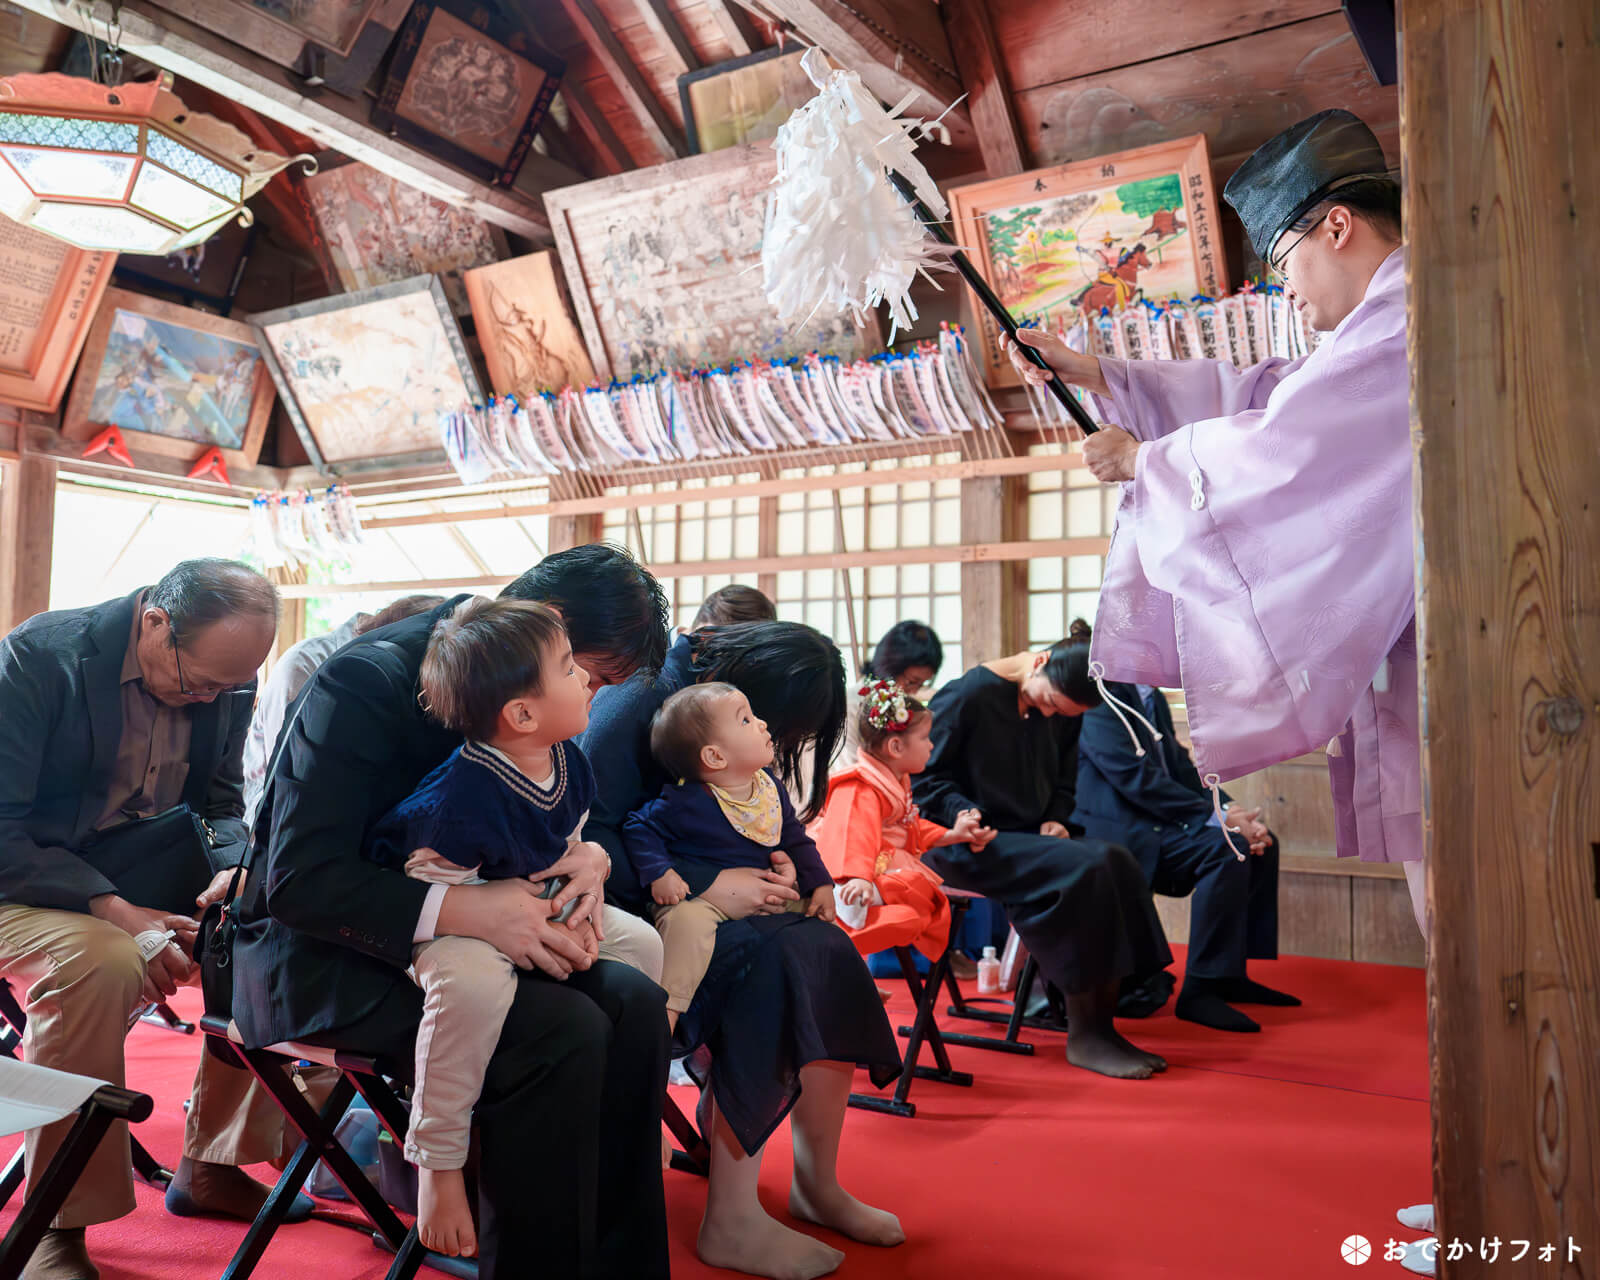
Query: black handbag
[[163, 862]]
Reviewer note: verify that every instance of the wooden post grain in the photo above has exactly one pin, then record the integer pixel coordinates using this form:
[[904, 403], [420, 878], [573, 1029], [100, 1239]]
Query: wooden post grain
[[1500, 112], [27, 538]]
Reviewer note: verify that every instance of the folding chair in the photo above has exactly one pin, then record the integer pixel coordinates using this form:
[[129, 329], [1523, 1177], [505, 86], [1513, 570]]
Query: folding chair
[[104, 1106], [274, 1068], [925, 1027], [1013, 1018], [369, 1077], [13, 1021]]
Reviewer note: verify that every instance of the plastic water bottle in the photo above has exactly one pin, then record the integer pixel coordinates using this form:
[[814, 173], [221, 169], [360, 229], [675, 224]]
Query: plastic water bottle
[[989, 973]]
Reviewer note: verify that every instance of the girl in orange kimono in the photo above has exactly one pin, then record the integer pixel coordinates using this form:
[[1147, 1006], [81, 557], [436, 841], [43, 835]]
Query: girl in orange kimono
[[872, 838]]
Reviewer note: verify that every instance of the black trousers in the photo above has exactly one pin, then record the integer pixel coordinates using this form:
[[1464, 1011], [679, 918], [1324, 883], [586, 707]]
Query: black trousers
[[1082, 907], [1234, 914], [569, 1122]]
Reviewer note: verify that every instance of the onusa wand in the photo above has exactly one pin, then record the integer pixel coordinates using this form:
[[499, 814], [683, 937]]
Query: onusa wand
[[991, 302]]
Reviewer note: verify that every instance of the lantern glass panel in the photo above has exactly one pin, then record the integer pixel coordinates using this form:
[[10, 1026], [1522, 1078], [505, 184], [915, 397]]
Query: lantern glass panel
[[97, 227], [90, 175], [168, 196]]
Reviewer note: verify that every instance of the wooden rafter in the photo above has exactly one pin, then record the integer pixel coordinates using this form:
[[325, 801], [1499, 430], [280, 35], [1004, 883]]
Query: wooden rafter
[[736, 26], [591, 121], [983, 76], [210, 60], [596, 32], [669, 34]]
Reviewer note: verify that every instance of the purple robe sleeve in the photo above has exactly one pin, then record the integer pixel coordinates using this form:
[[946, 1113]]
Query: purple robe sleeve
[[1153, 398]]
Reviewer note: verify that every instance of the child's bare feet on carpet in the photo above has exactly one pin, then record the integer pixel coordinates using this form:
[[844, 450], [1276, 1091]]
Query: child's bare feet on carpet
[[761, 1246], [1102, 1053], [444, 1218], [837, 1209]]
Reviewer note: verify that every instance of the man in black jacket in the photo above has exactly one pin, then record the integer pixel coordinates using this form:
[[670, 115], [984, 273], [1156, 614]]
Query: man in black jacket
[[120, 711], [1146, 795], [569, 1117]]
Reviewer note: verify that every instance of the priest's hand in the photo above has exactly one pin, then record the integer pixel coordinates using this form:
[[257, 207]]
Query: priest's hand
[[1111, 454], [1073, 366], [1056, 830]]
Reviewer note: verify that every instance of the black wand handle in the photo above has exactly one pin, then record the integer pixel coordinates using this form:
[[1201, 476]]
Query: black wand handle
[[995, 307]]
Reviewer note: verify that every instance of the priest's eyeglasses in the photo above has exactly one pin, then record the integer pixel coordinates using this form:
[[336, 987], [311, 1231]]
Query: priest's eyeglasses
[[1276, 267]]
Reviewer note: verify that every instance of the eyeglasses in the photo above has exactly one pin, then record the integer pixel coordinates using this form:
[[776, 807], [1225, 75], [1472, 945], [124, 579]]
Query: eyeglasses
[[207, 691], [1276, 268]]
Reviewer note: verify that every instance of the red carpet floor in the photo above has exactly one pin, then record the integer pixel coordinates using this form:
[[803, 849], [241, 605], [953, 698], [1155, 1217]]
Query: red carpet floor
[[1253, 1157]]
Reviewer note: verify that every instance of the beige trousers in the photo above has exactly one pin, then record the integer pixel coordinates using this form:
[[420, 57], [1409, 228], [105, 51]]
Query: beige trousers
[[83, 978], [467, 987], [688, 937]]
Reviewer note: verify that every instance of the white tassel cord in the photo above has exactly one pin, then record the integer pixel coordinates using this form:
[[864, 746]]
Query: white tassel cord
[[838, 236], [1097, 673], [1214, 786]]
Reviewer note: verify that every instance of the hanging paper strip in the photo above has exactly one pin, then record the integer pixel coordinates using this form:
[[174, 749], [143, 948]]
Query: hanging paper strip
[[744, 409], [304, 525]]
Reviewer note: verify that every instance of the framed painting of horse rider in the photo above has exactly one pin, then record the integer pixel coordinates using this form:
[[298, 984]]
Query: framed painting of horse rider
[[1070, 241]]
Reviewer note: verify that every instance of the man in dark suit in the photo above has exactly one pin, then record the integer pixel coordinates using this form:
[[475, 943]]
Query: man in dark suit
[[569, 1118], [119, 711], [1155, 805]]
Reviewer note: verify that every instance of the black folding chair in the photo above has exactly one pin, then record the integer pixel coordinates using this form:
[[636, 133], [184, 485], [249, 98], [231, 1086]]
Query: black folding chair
[[1011, 1014], [13, 1021], [105, 1106], [924, 1028], [369, 1077], [358, 1074]]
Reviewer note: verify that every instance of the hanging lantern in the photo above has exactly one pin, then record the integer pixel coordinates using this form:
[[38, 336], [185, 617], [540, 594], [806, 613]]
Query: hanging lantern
[[125, 167]]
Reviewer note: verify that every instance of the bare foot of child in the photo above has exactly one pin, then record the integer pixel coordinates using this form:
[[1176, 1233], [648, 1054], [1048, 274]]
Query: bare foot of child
[[1102, 1053], [444, 1218], [836, 1208], [760, 1246]]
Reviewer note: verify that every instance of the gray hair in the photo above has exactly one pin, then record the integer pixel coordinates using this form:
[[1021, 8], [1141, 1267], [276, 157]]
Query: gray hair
[[197, 593]]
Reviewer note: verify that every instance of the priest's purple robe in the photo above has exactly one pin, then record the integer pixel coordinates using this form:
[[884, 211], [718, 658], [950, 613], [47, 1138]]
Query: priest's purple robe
[[1263, 559]]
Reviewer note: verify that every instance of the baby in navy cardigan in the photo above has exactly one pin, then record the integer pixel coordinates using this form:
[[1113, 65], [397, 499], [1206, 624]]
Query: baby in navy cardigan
[[506, 804], [724, 808]]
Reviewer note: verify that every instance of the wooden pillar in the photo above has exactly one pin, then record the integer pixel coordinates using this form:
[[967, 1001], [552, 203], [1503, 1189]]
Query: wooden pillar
[[1500, 112], [993, 593], [572, 531], [27, 537]]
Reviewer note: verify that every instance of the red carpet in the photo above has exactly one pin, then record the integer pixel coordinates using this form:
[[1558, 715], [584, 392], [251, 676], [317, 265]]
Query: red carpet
[[1253, 1157]]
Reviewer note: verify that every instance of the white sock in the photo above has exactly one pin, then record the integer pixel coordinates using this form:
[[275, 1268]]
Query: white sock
[[1418, 1217]]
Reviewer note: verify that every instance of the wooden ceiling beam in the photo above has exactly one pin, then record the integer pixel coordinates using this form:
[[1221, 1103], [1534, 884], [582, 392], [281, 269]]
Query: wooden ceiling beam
[[737, 27], [592, 122], [898, 47], [669, 34], [330, 121], [596, 32], [983, 76]]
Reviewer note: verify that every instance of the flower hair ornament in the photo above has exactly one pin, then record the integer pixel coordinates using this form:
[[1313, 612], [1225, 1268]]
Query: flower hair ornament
[[886, 706]]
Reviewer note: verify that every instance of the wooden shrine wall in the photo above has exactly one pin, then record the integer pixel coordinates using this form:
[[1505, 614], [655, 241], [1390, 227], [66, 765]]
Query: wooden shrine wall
[[1094, 77]]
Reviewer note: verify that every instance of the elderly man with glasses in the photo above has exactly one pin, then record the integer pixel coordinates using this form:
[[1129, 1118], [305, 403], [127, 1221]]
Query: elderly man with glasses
[[108, 715]]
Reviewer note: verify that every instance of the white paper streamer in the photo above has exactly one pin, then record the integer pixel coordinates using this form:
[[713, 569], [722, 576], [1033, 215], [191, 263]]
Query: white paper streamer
[[838, 235]]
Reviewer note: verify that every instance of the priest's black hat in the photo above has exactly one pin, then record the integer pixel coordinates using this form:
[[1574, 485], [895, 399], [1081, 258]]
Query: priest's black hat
[[1288, 174]]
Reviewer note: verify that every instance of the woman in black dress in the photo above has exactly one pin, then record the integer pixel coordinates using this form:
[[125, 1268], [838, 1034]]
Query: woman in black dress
[[1005, 738], [787, 1007]]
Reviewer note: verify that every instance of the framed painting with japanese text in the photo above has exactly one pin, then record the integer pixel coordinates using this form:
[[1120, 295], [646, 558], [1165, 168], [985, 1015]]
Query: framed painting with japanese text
[[1138, 225], [49, 291]]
